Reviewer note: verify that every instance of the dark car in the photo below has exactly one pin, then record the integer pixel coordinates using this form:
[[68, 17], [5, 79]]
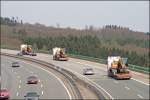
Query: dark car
[[32, 80], [19, 54], [31, 96], [15, 64], [4, 94], [33, 54]]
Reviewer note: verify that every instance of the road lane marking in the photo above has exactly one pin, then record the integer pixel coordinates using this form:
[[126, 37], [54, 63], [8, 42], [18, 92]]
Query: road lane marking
[[39, 80], [12, 70], [127, 88], [55, 77], [20, 81], [116, 82], [42, 92], [139, 81], [17, 94], [31, 72], [41, 85], [19, 86], [140, 96], [18, 76]]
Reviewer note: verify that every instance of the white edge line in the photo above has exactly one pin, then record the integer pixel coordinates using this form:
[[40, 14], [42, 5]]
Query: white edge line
[[55, 77], [139, 81]]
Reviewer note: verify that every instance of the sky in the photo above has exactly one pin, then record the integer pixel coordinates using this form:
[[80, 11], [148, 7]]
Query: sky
[[78, 14]]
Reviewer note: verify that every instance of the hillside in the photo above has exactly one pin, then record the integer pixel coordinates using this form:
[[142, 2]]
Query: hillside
[[111, 39]]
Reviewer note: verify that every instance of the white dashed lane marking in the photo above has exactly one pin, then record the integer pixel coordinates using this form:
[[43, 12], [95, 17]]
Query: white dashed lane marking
[[41, 85], [17, 94], [116, 82], [18, 76], [127, 88], [140, 96], [20, 81], [19, 86], [42, 92]]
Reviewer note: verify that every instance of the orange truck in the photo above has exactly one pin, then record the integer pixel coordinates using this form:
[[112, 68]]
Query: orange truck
[[59, 54], [27, 50], [117, 67]]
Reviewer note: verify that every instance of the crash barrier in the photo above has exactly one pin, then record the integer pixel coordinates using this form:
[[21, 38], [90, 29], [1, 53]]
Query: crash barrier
[[104, 61], [136, 68], [141, 69], [76, 92], [69, 75]]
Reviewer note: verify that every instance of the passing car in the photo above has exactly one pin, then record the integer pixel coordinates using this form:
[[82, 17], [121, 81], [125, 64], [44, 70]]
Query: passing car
[[88, 71], [32, 80], [31, 96], [19, 54], [4, 94], [32, 54], [15, 64]]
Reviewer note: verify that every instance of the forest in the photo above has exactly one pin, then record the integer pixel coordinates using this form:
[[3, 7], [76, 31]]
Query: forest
[[111, 40]]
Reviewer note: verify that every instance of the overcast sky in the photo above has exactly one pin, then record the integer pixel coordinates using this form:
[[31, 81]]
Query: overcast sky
[[77, 14]]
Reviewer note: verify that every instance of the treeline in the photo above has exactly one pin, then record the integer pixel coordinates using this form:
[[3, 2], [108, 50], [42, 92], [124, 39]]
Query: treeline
[[100, 43], [85, 45], [10, 21]]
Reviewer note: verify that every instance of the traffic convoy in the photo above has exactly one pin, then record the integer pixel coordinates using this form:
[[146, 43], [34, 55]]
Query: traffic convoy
[[117, 67]]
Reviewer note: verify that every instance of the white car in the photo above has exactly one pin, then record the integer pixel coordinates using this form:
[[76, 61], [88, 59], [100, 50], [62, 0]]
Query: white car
[[88, 71]]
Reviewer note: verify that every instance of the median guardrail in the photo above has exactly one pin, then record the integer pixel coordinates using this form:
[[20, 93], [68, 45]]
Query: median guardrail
[[75, 90], [71, 76]]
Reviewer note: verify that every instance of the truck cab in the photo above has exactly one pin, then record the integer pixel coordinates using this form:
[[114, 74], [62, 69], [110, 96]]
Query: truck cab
[[118, 68], [59, 54], [27, 50]]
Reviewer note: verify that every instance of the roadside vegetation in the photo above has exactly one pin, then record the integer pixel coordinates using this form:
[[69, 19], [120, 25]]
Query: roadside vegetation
[[91, 41]]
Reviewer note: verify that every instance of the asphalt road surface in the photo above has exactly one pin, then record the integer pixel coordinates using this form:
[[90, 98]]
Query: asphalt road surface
[[15, 79], [117, 89]]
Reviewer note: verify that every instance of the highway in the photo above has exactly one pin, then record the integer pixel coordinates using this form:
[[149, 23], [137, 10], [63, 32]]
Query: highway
[[15, 79], [117, 89]]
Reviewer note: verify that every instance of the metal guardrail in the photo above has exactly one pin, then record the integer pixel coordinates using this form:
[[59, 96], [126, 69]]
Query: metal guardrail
[[71, 76], [145, 70], [141, 69], [76, 92]]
